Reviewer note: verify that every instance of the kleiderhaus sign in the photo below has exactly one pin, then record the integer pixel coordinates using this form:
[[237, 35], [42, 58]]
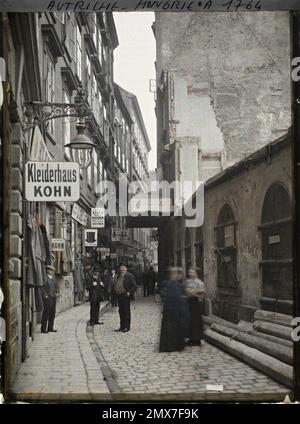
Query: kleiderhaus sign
[[52, 181]]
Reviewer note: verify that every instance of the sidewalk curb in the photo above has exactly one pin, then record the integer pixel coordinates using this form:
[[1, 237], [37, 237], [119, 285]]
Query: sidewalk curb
[[108, 374]]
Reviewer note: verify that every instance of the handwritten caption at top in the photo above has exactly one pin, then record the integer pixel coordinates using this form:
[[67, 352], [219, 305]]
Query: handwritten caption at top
[[158, 5]]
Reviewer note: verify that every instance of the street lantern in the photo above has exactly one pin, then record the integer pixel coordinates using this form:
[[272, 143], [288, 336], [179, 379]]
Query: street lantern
[[81, 147]]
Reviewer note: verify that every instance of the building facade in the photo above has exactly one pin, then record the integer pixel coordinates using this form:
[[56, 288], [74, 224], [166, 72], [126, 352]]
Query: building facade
[[49, 57]]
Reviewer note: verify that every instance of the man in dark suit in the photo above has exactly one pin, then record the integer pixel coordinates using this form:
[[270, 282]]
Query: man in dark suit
[[96, 294], [125, 287], [49, 294]]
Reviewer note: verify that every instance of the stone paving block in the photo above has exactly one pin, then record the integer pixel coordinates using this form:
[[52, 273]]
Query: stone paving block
[[139, 368]]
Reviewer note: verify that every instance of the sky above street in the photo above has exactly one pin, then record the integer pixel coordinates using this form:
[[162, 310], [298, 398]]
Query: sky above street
[[134, 65]]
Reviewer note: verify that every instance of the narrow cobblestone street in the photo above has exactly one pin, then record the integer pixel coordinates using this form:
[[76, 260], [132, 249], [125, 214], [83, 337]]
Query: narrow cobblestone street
[[81, 363]]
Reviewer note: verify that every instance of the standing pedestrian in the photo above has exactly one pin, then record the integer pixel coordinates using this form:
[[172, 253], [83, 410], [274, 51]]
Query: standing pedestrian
[[195, 291], [107, 284], [145, 284], [172, 326], [113, 295], [49, 294], [152, 279], [96, 294], [125, 288]]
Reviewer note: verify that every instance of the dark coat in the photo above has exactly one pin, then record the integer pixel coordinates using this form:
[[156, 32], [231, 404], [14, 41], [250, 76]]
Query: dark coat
[[174, 322], [50, 288], [96, 293], [129, 283]]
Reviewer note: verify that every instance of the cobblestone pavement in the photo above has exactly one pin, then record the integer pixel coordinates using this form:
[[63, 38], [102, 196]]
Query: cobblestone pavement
[[140, 369], [95, 363], [62, 365]]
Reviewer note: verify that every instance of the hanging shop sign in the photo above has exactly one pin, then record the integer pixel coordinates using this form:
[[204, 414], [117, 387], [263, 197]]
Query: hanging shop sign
[[113, 256], [80, 215], [117, 234], [91, 238], [52, 181], [97, 217], [104, 251], [57, 245], [65, 206]]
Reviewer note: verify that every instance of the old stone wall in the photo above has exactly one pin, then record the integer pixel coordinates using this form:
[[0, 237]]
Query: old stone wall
[[245, 195], [231, 76]]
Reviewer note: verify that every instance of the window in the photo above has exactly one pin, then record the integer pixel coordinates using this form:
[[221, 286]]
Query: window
[[49, 88], [100, 46], [88, 79], [78, 52], [95, 31], [89, 175], [71, 36], [100, 170], [94, 90], [66, 127], [95, 161], [104, 50], [59, 17]]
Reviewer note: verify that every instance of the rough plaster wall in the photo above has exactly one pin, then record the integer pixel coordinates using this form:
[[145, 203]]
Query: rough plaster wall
[[245, 194], [241, 61], [196, 116]]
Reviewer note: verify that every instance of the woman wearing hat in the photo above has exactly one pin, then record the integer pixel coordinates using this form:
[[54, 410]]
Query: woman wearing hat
[[49, 300]]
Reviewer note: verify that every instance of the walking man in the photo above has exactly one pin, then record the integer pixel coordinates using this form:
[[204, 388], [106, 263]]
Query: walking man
[[49, 300], [125, 287]]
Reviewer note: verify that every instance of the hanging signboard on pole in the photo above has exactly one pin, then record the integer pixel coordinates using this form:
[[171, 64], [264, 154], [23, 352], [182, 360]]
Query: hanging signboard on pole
[[91, 238], [119, 235], [57, 245], [52, 181], [97, 217]]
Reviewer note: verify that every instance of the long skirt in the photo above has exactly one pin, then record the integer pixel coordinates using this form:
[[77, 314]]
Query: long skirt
[[195, 328], [172, 332]]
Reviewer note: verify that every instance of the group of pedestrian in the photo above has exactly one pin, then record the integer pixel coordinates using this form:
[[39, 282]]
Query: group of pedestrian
[[116, 287], [182, 300]]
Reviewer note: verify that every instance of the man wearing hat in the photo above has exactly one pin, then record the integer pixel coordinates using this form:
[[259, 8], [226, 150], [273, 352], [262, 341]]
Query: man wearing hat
[[49, 301]]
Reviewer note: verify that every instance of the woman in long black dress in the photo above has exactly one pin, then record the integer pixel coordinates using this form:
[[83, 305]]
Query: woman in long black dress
[[195, 290], [172, 328]]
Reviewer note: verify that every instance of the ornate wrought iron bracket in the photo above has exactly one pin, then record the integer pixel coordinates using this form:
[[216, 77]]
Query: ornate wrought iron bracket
[[37, 112]]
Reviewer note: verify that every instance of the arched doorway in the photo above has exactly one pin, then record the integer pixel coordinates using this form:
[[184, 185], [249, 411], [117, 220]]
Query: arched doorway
[[226, 248], [228, 296], [277, 254], [187, 250]]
